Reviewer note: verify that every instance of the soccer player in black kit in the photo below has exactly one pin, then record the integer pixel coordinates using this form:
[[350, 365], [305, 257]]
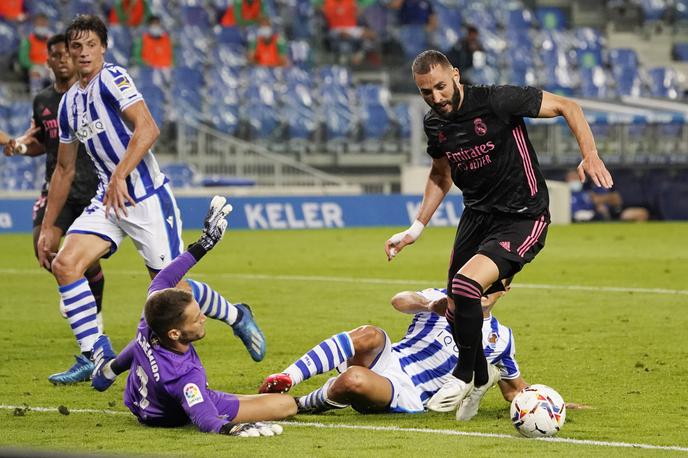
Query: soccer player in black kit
[[477, 139], [44, 139]]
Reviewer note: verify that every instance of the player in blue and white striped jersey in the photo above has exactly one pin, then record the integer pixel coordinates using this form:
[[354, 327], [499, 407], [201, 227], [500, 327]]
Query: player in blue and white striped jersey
[[377, 375], [104, 111]]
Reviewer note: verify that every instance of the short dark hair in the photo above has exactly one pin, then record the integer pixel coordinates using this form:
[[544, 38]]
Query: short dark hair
[[164, 310], [87, 23], [424, 62], [55, 39]]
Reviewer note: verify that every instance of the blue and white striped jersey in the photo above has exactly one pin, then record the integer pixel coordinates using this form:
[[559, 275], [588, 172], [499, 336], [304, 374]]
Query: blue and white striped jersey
[[92, 115], [428, 353]]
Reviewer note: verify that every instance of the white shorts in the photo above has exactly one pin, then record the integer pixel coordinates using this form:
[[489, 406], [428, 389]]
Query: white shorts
[[154, 225], [405, 395]]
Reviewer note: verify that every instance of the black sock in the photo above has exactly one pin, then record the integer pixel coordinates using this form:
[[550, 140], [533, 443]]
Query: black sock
[[96, 281], [481, 375], [468, 325]]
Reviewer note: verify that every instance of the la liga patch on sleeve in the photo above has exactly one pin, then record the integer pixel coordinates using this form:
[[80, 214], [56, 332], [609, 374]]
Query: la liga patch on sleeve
[[192, 394]]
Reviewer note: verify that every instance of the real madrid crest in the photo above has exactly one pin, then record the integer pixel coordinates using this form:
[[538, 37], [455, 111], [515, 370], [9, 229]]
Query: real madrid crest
[[480, 127]]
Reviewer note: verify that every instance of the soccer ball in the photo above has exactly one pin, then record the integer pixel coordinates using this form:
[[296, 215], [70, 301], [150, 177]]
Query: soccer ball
[[538, 411]]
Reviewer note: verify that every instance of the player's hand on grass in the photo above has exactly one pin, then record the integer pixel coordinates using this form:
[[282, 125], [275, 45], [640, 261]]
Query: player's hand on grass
[[215, 224], [398, 241], [117, 196], [593, 166], [43, 249], [257, 429]]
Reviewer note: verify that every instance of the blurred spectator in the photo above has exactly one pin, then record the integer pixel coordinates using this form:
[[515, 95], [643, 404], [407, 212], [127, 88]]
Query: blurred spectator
[[132, 13], [33, 54], [268, 48], [600, 204], [346, 37], [242, 12], [414, 13], [12, 10], [154, 47], [461, 54]]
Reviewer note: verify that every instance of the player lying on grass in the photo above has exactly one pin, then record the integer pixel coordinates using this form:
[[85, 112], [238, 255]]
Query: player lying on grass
[[377, 375], [167, 382]]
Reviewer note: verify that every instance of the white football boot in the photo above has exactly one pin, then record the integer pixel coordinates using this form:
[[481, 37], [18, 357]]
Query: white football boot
[[470, 404], [450, 395]]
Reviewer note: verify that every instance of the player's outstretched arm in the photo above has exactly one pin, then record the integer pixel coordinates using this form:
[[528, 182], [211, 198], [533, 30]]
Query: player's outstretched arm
[[438, 185], [31, 145], [145, 132], [555, 105], [60, 183], [214, 227]]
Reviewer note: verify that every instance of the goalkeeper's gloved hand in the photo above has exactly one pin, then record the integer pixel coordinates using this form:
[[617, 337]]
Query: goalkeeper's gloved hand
[[215, 223], [251, 429]]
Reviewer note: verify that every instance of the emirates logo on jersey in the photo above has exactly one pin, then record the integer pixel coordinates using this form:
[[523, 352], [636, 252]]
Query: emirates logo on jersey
[[480, 127]]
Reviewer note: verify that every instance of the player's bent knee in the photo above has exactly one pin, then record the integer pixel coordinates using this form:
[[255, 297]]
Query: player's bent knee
[[367, 338], [63, 267], [352, 381]]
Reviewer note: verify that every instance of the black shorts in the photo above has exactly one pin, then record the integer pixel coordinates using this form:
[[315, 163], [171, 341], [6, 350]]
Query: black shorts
[[69, 213], [509, 241]]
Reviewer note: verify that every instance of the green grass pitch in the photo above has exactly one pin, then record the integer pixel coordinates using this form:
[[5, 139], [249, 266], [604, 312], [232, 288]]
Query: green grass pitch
[[622, 351]]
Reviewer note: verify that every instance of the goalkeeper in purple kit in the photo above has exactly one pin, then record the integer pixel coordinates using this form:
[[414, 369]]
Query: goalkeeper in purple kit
[[167, 383]]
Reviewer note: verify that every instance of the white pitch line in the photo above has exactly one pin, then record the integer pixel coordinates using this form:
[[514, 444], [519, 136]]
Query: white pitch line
[[446, 432], [385, 281]]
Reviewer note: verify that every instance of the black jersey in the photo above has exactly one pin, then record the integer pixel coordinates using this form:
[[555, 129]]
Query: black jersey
[[85, 183], [486, 143]]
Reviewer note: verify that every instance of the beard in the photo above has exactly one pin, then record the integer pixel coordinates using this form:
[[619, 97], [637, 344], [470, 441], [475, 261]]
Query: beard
[[455, 102], [187, 337]]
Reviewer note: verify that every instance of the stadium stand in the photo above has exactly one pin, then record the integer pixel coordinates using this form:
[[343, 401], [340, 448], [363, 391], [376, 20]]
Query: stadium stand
[[316, 107]]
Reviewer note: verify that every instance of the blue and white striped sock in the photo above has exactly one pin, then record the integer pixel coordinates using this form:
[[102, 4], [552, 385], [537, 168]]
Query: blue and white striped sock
[[212, 304], [317, 400], [81, 309], [322, 358]]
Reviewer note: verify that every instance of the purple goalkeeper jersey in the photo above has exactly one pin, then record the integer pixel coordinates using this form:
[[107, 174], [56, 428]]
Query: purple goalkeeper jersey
[[166, 388]]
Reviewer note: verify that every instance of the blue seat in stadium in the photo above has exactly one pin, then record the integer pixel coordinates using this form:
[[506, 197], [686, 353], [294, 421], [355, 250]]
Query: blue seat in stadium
[[187, 88], [296, 75], [260, 111], [224, 117], [231, 55], [448, 28], [195, 15], [596, 83], [119, 45], [223, 77], [589, 58], [654, 10], [374, 118], [75, 7], [20, 114], [180, 174], [300, 53], [664, 83], [298, 18], [335, 75], [518, 20], [299, 112], [551, 17], [19, 174], [155, 100], [679, 51], [230, 35], [623, 57], [402, 116], [9, 38], [413, 39], [50, 8], [481, 16]]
